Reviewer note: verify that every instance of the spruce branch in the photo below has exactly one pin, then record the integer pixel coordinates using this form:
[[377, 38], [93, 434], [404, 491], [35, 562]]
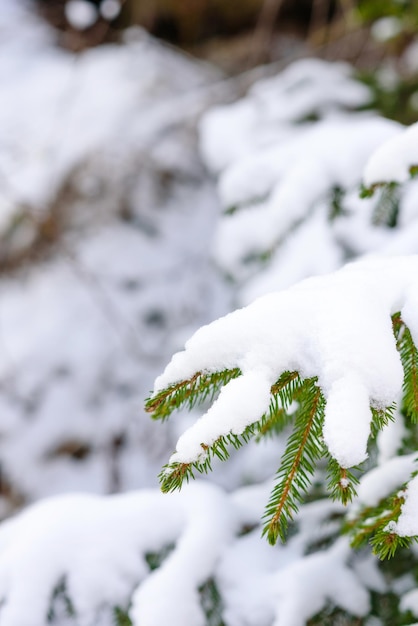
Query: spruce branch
[[367, 191], [409, 356], [283, 391], [304, 448], [201, 387], [381, 418], [341, 482], [174, 474], [376, 525], [386, 211], [121, 617], [302, 401]]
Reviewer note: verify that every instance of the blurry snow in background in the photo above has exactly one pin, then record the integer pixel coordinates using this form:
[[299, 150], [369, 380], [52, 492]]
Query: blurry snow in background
[[99, 150]]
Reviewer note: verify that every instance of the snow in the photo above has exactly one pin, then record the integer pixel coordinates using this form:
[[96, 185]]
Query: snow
[[59, 110], [288, 266], [347, 419], [389, 440]]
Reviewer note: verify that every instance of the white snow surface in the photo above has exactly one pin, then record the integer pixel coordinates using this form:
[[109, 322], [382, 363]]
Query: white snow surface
[[336, 327], [284, 586], [95, 547]]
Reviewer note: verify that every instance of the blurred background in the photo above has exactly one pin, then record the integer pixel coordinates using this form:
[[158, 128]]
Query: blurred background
[[117, 125]]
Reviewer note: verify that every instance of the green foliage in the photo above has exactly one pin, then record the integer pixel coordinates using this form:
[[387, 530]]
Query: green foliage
[[211, 602], [374, 524], [155, 559], [283, 391], [60, 603], [304, 448], [336, 203], [121, 617], [409, 356], [201, 387], [341, 482], [299, 402], [387, 209], [405, 10], [395, 102], [385, 608], [381, 418]]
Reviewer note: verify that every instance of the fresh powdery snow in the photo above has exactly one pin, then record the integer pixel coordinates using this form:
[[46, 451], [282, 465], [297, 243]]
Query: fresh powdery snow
[[336, 327]]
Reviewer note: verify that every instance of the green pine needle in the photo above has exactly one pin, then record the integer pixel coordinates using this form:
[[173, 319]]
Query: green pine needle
[[284, 390], [301, 401], [341, 482], [409, 357], [201, 387], [375, 525], [304, 448], [121, 617], [381, 418]]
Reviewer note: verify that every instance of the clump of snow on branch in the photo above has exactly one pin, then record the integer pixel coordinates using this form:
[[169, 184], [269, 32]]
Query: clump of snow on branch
[[337, 327], [393, 161], [279, 172], [290, 184]]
